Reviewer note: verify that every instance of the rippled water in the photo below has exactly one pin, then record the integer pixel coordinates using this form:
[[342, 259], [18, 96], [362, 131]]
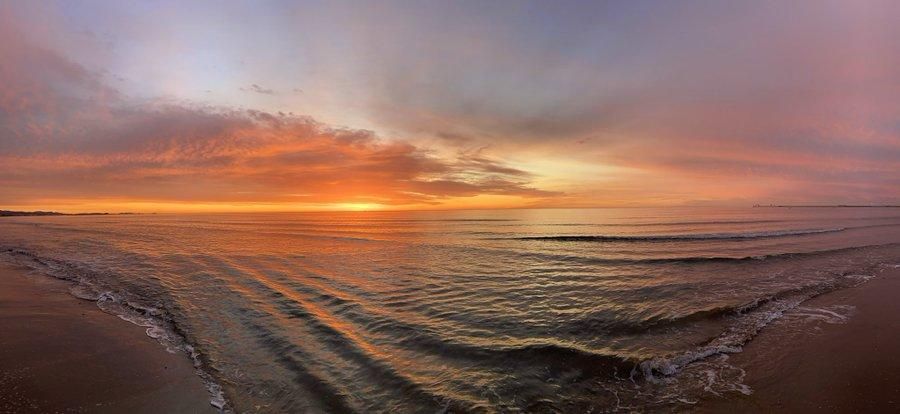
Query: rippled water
[[533, 310]]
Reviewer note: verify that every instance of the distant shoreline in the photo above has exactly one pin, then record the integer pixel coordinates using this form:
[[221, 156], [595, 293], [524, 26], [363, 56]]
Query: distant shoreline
[[9, 213], [826, 206]]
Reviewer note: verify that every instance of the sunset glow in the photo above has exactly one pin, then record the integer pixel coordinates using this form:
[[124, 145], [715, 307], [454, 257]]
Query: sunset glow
[[236, 107]]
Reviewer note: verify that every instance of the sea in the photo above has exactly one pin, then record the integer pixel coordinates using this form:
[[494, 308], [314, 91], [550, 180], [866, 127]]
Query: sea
[[530, 310]]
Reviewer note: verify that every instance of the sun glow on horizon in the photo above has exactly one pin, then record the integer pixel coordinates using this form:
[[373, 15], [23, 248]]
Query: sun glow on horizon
[[145, 206], [358, 206]]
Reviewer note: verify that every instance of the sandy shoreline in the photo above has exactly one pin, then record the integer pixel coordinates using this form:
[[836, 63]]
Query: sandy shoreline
[[826, 366], [63, 354]]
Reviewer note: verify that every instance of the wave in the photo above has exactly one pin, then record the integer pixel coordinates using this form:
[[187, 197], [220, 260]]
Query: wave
[[743, 322], [664, 223], [615, 327], [749, 320], [682, 237], [688, 259], [158, 322], [692, 236], [714, 222]]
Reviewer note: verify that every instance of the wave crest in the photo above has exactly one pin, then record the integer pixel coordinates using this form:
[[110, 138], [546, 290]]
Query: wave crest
[[682, 237]]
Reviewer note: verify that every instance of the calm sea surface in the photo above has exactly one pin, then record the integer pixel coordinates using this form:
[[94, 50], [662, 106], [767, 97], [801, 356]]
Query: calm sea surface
[[516, 310]]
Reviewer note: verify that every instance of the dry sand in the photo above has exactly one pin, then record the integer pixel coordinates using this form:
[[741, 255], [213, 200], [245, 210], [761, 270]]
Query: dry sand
[[851, 367], [63, 354]]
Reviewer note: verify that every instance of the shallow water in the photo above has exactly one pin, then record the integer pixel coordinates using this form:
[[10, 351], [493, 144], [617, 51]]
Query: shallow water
[[532, 310]]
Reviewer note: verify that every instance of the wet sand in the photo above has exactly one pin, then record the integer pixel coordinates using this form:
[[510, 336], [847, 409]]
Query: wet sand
[[63, 354], [850, 367]]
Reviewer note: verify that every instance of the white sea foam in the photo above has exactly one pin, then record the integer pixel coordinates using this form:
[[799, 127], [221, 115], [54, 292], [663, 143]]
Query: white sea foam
[[116, 303], [836, 314], [859, 277], [750, 319]]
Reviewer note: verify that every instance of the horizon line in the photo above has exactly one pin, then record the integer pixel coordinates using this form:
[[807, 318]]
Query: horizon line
[[64, 212]]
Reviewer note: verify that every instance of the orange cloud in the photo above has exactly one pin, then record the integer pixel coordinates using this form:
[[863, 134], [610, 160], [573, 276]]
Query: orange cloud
[[181, 154], [66, 136]]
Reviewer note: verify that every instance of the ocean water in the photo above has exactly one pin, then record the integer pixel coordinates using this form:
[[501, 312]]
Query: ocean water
[[467, 311]]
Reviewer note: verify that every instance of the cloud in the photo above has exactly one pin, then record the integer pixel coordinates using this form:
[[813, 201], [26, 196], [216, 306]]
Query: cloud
[[610, 102], [64, 134], [259, 89], [705, 96]]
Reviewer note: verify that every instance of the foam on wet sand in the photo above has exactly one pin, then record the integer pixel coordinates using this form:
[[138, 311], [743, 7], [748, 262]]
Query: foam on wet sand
[[838, 353], [64, 354]]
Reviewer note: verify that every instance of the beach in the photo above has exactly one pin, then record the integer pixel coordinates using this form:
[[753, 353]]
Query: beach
[[63, 354], [651, 310], [848, 366]]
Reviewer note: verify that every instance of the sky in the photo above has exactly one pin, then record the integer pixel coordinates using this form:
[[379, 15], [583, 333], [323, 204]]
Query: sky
[[333, 105]]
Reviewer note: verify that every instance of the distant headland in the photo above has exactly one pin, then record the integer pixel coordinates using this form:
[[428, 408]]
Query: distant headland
[[9, 213]]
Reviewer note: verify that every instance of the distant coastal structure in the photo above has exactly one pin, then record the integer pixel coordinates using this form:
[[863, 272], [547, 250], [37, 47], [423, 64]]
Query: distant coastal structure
[[826, 206]]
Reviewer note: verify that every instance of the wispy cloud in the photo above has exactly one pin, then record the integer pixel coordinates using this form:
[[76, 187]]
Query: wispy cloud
[[259, 89]]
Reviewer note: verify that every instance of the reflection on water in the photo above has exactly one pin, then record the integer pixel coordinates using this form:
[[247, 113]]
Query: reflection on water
[[534, 310]]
